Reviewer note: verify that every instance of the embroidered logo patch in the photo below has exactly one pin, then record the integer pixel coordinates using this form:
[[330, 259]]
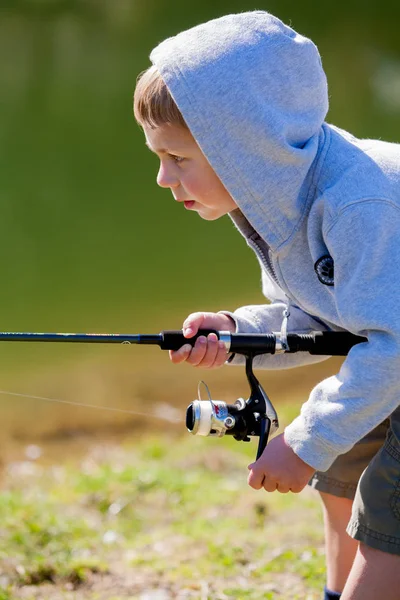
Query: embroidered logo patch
[[324, 269]]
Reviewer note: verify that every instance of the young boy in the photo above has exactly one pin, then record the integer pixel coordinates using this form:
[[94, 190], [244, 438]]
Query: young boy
[[235, 111]]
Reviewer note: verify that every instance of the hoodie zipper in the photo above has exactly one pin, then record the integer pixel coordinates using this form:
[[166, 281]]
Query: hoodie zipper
[[266, 259], [267, 262]]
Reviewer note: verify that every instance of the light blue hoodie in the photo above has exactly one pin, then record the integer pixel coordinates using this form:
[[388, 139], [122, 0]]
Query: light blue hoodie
[[254, 95]]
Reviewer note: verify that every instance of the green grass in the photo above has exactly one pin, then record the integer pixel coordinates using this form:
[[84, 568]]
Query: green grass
[[169, 515]]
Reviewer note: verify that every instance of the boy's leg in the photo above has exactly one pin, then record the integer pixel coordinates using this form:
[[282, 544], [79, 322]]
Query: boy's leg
[[340, 548], [375, 523], [375, 574], [337, 488]]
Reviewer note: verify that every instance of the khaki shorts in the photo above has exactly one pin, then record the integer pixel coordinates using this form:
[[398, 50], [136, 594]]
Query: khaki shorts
[[370, 474]]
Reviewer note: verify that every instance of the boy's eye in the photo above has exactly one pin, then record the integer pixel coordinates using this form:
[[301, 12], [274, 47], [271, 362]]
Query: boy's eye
[[175, 158]]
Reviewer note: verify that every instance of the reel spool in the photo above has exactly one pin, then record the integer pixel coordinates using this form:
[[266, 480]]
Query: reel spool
[[216, 418]]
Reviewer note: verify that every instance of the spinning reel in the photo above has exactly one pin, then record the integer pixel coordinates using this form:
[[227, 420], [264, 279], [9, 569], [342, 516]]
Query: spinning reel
[[257, 416], [253, 417]]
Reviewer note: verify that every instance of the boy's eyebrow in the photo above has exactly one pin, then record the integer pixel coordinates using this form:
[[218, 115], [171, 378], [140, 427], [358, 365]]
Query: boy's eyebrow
[[157, 150]]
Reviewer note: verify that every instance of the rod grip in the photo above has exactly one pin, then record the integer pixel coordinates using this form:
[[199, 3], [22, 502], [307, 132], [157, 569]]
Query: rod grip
[[328, 343], [173, 340]]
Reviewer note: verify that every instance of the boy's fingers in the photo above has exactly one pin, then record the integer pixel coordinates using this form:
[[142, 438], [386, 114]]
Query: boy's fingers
[[198, 352], [207, 353], [208, 359], [283, 488], [297, 488], [255, 479], [221, 356], [178, 356], [270, 485], [258, 479]]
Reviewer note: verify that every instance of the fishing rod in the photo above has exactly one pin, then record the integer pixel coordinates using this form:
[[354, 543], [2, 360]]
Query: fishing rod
[[254, 417]]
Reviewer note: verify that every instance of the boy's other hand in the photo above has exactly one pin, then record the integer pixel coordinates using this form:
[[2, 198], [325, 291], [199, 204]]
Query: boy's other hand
[[208, 352], [279, 469]]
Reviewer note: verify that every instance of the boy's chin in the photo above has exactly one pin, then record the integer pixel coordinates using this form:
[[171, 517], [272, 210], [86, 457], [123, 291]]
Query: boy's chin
[[209, 215]]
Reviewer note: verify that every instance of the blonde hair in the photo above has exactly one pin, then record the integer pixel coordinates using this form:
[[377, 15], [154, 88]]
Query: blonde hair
[[153, 104]]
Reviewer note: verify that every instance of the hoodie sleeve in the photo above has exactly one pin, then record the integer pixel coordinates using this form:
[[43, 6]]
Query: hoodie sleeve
[[267, 318], [364, 243]]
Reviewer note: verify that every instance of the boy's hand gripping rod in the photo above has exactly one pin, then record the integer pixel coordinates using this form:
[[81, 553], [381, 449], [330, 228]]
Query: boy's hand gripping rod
[[255, 416]]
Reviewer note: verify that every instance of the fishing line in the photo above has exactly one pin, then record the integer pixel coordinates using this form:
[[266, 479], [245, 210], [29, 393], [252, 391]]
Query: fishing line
[[109, 408]]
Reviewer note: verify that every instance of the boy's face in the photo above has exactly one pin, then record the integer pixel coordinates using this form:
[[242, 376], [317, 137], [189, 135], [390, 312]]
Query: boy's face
[[185, 170]]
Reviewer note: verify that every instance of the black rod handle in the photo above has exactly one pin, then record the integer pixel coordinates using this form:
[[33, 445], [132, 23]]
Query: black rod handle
[[253, 343], [173, 340], [324, 343]]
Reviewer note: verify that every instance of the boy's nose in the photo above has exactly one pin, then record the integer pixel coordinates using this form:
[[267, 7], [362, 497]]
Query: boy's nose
[[166, 179]]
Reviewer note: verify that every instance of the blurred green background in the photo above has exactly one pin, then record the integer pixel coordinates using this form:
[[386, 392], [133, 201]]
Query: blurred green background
[[88, 242]]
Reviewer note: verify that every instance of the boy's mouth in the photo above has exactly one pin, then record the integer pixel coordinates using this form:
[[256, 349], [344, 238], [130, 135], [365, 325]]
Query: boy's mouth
[[188, 203]]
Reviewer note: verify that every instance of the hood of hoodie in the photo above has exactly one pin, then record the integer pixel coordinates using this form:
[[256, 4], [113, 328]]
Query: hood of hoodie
[[254, 96]]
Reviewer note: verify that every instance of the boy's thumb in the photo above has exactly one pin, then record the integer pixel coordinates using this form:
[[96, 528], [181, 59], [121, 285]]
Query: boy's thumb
[[188, 330], [192, 323]]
